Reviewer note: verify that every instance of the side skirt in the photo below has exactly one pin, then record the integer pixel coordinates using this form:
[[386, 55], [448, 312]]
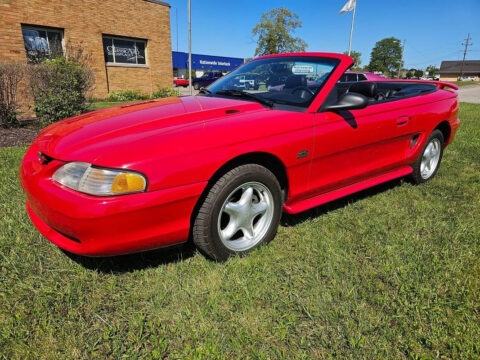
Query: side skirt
[[348, 190]]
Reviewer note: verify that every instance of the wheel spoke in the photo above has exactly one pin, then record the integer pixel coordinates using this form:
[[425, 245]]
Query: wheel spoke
[[230, 230], [232, 209], [248, 231], [246, 197], [259, 208]]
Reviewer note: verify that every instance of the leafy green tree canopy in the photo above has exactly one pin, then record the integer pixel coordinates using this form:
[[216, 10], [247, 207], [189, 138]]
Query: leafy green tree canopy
[[386, 56], [432, 70], [418, 73], [357, 59], [274, 33]]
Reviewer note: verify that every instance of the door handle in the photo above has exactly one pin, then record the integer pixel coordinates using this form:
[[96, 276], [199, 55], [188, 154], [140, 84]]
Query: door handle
[[403, 120]]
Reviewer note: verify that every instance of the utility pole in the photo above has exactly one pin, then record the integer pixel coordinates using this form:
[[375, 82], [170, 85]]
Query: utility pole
[[401, 62], [190, 46], [467, 43]]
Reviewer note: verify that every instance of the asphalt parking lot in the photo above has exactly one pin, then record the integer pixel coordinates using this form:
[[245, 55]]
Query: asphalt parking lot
[[469, 93], [185, 91]]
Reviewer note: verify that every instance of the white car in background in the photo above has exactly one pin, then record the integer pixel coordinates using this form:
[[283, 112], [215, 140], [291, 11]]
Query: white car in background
[[467, 78]]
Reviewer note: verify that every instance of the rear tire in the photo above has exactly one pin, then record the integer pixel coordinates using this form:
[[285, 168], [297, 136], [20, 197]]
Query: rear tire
[[196, 86], [241, 212], [428, 163]]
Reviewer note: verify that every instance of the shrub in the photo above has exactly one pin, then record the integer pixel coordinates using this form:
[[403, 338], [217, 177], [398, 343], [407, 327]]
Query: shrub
[[60, 86], [128, 95], [10, 77], [134, 95], [165, 92]]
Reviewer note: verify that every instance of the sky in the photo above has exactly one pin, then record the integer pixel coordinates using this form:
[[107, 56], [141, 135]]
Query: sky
[[433, 29]]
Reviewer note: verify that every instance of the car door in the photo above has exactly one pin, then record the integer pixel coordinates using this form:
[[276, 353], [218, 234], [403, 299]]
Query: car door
[[351, 146], [356, 145]]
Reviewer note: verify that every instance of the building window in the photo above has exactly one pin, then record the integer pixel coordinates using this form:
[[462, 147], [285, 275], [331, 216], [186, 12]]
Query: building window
[[42, 42], [124, 51]]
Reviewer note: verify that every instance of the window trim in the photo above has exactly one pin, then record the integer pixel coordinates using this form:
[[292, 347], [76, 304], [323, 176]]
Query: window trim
[[126, 38], [47, 29]]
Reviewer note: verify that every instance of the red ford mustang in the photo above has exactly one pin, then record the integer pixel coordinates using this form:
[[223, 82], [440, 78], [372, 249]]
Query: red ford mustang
[[222, 166]]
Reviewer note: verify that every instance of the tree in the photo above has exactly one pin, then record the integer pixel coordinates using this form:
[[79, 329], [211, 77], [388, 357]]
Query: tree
[[386, 56], [274, 32], [418, 73], [357, 59], [432, 70]]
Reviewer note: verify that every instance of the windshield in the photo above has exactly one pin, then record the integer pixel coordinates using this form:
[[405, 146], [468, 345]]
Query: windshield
[[289, 80]]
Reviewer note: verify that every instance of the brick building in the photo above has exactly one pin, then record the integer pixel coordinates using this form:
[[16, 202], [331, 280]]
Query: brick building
[[129, 39]]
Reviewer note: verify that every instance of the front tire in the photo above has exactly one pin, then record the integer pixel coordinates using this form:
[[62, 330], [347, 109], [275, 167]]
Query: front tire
[[241, 212], [430, 158], [196, 86]]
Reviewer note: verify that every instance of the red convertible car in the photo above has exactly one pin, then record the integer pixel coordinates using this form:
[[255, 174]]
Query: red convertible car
[[219, 168]]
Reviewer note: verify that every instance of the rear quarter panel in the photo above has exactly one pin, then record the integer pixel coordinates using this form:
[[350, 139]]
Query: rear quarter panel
[[428, 111]]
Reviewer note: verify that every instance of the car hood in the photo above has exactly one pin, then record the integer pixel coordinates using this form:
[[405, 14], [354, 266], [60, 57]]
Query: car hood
[[89, 136]]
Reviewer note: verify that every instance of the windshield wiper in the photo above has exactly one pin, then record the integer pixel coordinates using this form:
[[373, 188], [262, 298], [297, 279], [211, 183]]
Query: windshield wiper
[[204, 91], [245, 95]]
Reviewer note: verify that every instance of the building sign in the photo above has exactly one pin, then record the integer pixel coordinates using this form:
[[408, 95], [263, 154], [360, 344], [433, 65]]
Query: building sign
[[129, 53], [205, 62], [214, 63]]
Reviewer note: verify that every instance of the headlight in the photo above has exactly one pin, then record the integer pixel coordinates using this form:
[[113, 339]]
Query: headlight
[[85, 178]]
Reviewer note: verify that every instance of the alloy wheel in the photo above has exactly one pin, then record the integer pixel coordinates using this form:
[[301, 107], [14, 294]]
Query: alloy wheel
[[430, 158], [245, 216]]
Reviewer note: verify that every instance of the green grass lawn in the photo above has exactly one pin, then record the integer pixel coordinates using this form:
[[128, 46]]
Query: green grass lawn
[[102, 104], [392, 272], [466, 83]]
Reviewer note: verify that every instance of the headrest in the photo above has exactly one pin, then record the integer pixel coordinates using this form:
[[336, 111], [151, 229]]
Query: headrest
[[369, 89], [294, 81]]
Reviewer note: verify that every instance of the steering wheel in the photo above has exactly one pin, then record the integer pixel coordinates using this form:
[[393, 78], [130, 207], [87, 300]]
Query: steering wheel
[[302, 88]]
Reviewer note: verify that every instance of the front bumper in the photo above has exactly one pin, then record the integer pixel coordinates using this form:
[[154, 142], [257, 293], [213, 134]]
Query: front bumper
[[104, 226]]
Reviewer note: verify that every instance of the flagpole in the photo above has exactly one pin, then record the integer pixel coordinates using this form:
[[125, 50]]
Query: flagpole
[[351, 29], [190, 47]]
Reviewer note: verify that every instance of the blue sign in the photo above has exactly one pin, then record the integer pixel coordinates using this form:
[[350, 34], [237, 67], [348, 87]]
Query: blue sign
[[205, 62]]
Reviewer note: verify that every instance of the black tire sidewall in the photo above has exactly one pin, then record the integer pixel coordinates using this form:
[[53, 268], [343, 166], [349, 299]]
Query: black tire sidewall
[[261, 175]]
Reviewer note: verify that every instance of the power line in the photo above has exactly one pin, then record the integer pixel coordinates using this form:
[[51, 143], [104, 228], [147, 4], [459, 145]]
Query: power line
[[467, 44]]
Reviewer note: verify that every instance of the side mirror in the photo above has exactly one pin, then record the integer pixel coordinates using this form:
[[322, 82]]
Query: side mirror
[[349, 101]]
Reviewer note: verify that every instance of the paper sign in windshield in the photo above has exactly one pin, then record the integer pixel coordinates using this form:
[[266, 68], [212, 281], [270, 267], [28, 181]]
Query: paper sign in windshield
[[302, 69]]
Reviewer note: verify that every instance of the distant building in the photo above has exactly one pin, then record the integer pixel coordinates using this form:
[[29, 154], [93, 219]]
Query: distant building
[[451, 70], [202, 63], [129, 39]]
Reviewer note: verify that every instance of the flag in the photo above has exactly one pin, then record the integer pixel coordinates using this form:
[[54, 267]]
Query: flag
[[348, 6]]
